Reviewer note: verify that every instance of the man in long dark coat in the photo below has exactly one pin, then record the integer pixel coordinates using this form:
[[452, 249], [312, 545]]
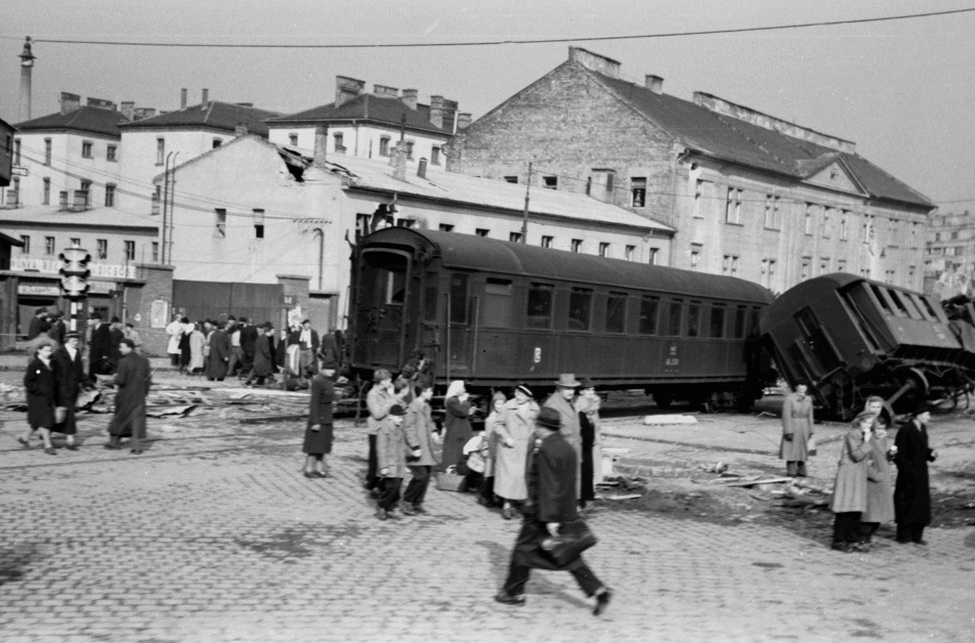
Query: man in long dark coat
[[263, 356], [133, 379], [912, 493], [69, 375], [248, 344], [551, 476], [100, 350], [219, 354]]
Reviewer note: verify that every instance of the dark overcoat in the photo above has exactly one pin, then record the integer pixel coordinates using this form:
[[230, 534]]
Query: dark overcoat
[[320, 412], [912, 493], [263, 357], [219, 355], [69, 374], [100, 354], [41, 390], [457, 430], [551, 474], [248, 339], [133, 379]]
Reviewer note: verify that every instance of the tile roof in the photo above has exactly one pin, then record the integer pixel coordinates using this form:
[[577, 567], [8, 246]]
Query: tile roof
[[368, 107], [213, 114], [84, 119], [480, 192], [736, 140]]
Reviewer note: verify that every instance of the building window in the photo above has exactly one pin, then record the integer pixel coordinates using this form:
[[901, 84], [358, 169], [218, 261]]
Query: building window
[[698, 197], [841, 265], [217, 142], [514, 237], [155, 251], [603, 249], [511, 179], [293, 138], [160, 151], [49, 245], [653, 256], [768, 273], [695, 255], [772, 220], [339, 139], [732, 210], [111, 153], [362, 223], [954, 236], [409, 150], [446, 227], [25, 248], [101, 248], [109, 195], [384, 146], [481, 232], [729, 265], [405, 222], [546, 241], [86, 149], [576, 245], [130, 250], [47, 151], [804, 270], [221, 227], [16, 151], [435, 155], [550, 182], [826, 231], [258, 223], [823, 265], [638, 191], [808, 223], [844, 225], [46, 199], [629, 253]]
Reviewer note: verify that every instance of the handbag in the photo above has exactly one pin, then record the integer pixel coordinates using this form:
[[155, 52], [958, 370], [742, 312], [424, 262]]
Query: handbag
[[811, 445], [574, 538]]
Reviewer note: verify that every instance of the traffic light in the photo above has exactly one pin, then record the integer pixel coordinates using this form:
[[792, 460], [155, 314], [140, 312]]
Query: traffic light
[[74, 273]]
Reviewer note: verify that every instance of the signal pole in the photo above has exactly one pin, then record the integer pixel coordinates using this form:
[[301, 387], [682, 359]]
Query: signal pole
[[524, 220], [74, 279]]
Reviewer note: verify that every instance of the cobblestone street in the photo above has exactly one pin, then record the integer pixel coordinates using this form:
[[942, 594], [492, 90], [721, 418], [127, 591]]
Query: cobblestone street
[[214, 535]]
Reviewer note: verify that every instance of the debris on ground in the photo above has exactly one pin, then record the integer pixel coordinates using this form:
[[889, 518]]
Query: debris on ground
[[660, 420], [717, 467]]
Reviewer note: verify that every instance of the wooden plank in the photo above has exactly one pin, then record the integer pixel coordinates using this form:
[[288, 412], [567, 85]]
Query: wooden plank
[[752, 483]]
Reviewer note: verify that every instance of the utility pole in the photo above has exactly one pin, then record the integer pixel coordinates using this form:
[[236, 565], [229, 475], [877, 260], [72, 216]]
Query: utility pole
[[524, 220]]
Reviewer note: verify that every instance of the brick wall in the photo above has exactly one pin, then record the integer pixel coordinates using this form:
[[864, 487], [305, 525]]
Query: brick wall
[[156, 295]]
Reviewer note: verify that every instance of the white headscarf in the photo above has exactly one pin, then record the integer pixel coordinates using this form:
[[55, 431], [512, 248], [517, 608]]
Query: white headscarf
[[456, 388]]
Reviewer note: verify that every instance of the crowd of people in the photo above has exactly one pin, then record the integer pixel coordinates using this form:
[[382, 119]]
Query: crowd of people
[[864, 494]]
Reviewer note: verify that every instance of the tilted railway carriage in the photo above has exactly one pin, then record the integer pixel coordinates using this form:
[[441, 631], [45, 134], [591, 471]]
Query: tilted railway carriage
[[853, 337], [493, 312]]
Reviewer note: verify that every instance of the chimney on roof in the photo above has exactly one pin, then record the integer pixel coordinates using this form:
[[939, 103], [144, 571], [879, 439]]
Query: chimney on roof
[[240, 129], [398, 160], [205, 98], [436, 110], [409, 98], [101, 103], [70, 102], [421, 168], [463, 120], [347, 88], [128, 109], [450, 115], [182, 99], [321, 144], [595, 62], [654, 83], [385, 91], [144, 112]]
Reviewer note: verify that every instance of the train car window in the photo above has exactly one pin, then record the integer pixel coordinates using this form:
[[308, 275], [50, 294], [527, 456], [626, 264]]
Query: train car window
[[648, 315], [616, 312], [905, 305], [740, 323], [395, 286], [430, 297], [498, 303], [676, 314], [458, 298], [694, 319], [822, 353], [926, 307], [717, 321], [580, 309], [540, 306], [884, 304], [754, 326]]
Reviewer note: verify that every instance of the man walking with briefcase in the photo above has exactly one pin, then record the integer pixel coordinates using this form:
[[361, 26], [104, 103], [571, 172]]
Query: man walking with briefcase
[[551, 518]]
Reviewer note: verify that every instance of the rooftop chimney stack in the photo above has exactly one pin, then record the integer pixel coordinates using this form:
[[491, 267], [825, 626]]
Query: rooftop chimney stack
[[398, 161], [26, 70], [463, 120], [436, 110], [385, 91], [409, 98], [240, 129], [205, 99], [321, 145], [128, 109], [70, 102], [654, 83], [347, 89], [182, 99]]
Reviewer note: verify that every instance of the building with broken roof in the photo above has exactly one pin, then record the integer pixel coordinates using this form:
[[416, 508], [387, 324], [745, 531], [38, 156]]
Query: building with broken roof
[[254, 212], [749, 194], [370, 125]]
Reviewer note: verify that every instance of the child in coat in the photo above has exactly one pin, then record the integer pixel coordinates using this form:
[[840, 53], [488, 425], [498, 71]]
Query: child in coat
[[391, 460]]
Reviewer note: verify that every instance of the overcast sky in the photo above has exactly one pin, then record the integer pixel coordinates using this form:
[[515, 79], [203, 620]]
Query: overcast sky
[[903, 90]]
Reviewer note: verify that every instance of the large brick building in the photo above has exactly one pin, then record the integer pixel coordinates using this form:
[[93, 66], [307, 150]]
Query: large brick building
[[949, 267], [749, 194]]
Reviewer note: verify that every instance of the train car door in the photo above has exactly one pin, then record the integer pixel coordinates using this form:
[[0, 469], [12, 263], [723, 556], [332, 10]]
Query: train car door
[[460, 319], [385, 307]]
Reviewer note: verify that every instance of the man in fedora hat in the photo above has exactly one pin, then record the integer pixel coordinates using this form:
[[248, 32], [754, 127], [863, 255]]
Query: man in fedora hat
[[562, 401], [551, 477], [912, 493]]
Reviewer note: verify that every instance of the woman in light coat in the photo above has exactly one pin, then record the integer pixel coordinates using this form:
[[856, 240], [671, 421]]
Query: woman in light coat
[[197, 343], [514, 436], [850, 488], [493, 425], [880, 490], [421, 432], [797, 428]]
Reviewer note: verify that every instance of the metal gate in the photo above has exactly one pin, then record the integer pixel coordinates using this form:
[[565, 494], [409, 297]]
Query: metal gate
[[210, 299]]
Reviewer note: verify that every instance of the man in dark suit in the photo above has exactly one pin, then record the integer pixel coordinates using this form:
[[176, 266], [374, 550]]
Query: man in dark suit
[[133, 379], [38, 324], [248, 344], [551, 477], [69, 375]]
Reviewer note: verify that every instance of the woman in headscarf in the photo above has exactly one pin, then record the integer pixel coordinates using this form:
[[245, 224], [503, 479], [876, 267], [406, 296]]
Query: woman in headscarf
[[493, 425], [850, 488], [590, 469], [514, 436], [39, 382], [457, 425], [197, 343]]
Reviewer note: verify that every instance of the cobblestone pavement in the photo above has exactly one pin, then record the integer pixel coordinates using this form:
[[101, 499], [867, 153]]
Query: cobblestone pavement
[[214, 535]]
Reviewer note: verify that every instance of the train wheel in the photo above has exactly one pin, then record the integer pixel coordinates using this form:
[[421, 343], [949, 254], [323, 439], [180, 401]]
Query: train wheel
[[663, 399]]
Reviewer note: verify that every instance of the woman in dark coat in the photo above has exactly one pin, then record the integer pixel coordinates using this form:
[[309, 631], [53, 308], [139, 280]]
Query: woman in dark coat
[[263, 356], [457, 426], [219, 354], [39, 381], [132, 381], [318, 432], [912, 493]]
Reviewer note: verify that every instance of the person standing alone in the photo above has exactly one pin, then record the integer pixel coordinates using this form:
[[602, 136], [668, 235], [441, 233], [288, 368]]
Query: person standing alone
[[797, 428]]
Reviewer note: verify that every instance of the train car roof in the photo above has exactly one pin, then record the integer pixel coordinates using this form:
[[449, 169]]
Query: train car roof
[[472, 252]]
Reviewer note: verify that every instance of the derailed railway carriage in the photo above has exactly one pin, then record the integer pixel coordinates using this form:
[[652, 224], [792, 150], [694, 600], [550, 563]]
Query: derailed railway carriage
[[492, 312]]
